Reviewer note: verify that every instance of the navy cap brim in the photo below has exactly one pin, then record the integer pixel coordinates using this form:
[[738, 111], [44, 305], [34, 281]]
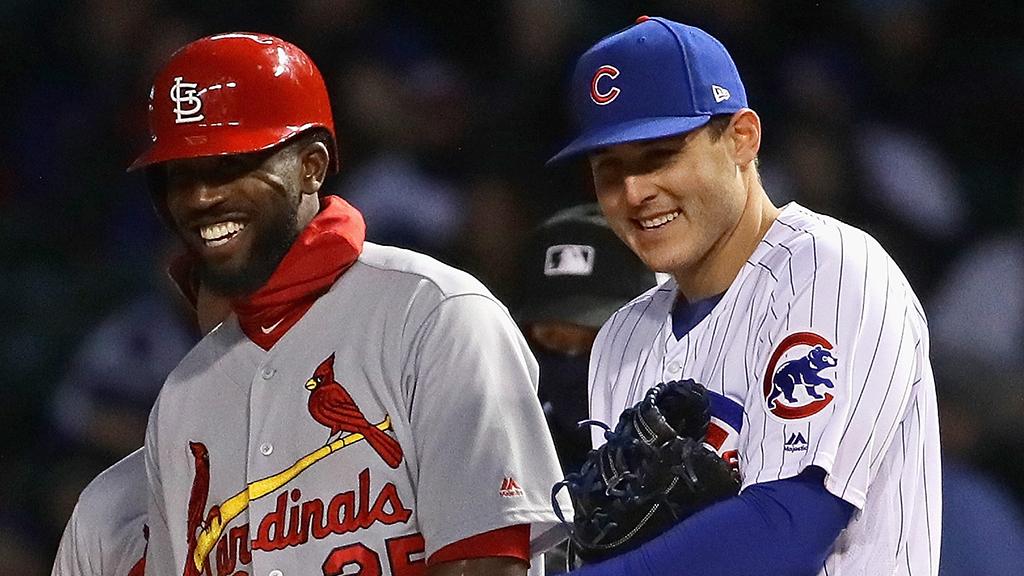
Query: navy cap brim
[[632, 131]]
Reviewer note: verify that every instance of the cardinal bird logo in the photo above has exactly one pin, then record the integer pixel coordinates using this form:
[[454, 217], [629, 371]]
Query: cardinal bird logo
[[331, 405]]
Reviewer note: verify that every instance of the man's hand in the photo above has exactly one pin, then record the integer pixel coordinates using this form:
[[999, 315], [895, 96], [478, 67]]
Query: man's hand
[[652, 472]]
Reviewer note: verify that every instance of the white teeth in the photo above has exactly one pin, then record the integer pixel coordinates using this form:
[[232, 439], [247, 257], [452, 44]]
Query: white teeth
[[659, 220], [219, 233]]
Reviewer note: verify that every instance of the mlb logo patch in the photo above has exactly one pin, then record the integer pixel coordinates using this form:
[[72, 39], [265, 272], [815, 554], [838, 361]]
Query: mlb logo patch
[[569, 260]]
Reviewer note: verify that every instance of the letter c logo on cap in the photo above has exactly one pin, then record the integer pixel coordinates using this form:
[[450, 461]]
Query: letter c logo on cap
[[602, 98]]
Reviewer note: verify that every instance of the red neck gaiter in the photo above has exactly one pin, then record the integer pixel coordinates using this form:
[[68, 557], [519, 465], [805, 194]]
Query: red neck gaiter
[[328, 246]]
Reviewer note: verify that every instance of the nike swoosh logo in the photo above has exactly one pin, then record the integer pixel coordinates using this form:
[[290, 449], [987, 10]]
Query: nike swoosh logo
[[272, 327]]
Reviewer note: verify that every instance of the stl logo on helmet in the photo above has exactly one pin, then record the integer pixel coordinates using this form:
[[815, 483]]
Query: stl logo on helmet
[[187, 103], [602, 98], [791, 388]]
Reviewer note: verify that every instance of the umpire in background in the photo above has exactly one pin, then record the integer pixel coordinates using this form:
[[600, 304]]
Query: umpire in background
[[577, 274]]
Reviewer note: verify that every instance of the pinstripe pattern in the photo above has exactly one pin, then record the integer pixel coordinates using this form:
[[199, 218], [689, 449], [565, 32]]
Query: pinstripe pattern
[[877, 437]]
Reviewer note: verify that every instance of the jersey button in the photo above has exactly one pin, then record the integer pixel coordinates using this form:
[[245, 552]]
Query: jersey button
[[275, 573], [268, 373], [674, 367], [267, 449]]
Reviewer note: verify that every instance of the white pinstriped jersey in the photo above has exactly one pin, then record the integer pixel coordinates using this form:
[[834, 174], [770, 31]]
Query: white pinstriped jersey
[[817, 354]]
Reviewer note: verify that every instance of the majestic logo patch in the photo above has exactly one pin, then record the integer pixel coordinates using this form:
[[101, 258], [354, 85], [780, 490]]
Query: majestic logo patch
[[791, 388], [187, 103], [510, 488], [569, 260], [796, 443], [601, 98]]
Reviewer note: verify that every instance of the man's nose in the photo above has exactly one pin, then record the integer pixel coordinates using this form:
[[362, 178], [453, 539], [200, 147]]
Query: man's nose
[[638, 190], [199, 194]]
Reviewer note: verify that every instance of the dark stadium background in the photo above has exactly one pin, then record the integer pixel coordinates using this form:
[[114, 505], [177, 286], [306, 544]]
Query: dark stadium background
[[903, 117]]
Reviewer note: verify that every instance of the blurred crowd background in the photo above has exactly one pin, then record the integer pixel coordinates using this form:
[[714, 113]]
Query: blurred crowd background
[[903, 117]]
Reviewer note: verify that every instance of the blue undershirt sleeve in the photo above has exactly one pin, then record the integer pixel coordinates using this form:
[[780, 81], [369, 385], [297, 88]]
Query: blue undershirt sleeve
[[781, 527]]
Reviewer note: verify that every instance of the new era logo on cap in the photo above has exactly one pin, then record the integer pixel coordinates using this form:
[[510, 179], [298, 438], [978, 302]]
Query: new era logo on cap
[[569, 260], [720, 94]]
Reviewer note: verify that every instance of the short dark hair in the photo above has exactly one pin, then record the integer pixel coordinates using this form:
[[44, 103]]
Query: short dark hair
[[317, 134], [717, 125], [716, 128]]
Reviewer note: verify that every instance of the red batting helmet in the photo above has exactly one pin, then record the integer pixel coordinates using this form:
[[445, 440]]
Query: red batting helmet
[[231, 94]]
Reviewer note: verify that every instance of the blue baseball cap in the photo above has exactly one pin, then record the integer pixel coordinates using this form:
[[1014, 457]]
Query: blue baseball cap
[[655, 79]]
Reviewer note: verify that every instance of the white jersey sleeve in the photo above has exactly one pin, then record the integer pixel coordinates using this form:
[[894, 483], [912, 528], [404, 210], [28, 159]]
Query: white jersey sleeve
[[105, 535], [479, 430], [841, 350]]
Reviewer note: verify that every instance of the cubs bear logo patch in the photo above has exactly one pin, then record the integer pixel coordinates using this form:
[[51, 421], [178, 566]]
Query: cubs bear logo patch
[[799, 372]]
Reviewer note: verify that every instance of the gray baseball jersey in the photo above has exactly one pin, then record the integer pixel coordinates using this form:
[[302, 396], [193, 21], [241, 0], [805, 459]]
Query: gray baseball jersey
[[105, 535], [398, 416], [816, 355]]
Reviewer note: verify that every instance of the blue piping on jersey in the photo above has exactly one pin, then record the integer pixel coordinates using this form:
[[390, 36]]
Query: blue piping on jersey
[[726, 409], [686, 315]]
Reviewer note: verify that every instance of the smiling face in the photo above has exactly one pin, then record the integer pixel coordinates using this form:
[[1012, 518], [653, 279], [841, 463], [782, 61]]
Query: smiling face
[[674, 201], [241, 213]]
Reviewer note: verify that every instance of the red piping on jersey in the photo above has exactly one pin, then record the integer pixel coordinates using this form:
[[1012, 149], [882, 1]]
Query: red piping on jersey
[[508, 542], [715, 436], [328, 246]]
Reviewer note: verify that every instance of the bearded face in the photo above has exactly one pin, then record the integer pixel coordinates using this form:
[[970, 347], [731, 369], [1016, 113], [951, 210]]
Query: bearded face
[[237, 213]]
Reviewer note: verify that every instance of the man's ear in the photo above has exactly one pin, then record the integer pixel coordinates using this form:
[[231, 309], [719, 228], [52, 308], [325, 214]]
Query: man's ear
[[314, 159], [745, 133]]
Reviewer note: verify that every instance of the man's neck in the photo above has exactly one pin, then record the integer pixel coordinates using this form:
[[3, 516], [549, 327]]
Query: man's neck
[[716, 272]]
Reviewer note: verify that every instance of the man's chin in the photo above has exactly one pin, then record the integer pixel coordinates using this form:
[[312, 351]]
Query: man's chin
[[232, 283], [249, 266]]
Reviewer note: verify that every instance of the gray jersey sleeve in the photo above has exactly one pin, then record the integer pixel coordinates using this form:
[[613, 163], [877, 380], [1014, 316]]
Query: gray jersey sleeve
[[159, 555], [78, 554], [104, 536], [486, 457]]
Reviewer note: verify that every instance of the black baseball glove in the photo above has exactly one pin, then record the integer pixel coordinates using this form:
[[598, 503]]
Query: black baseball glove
[[652, 472]]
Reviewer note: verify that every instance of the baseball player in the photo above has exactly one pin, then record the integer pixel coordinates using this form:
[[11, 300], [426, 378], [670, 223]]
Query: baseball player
[[107, 532], [577, 275], [366, 409], [811, 341]]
